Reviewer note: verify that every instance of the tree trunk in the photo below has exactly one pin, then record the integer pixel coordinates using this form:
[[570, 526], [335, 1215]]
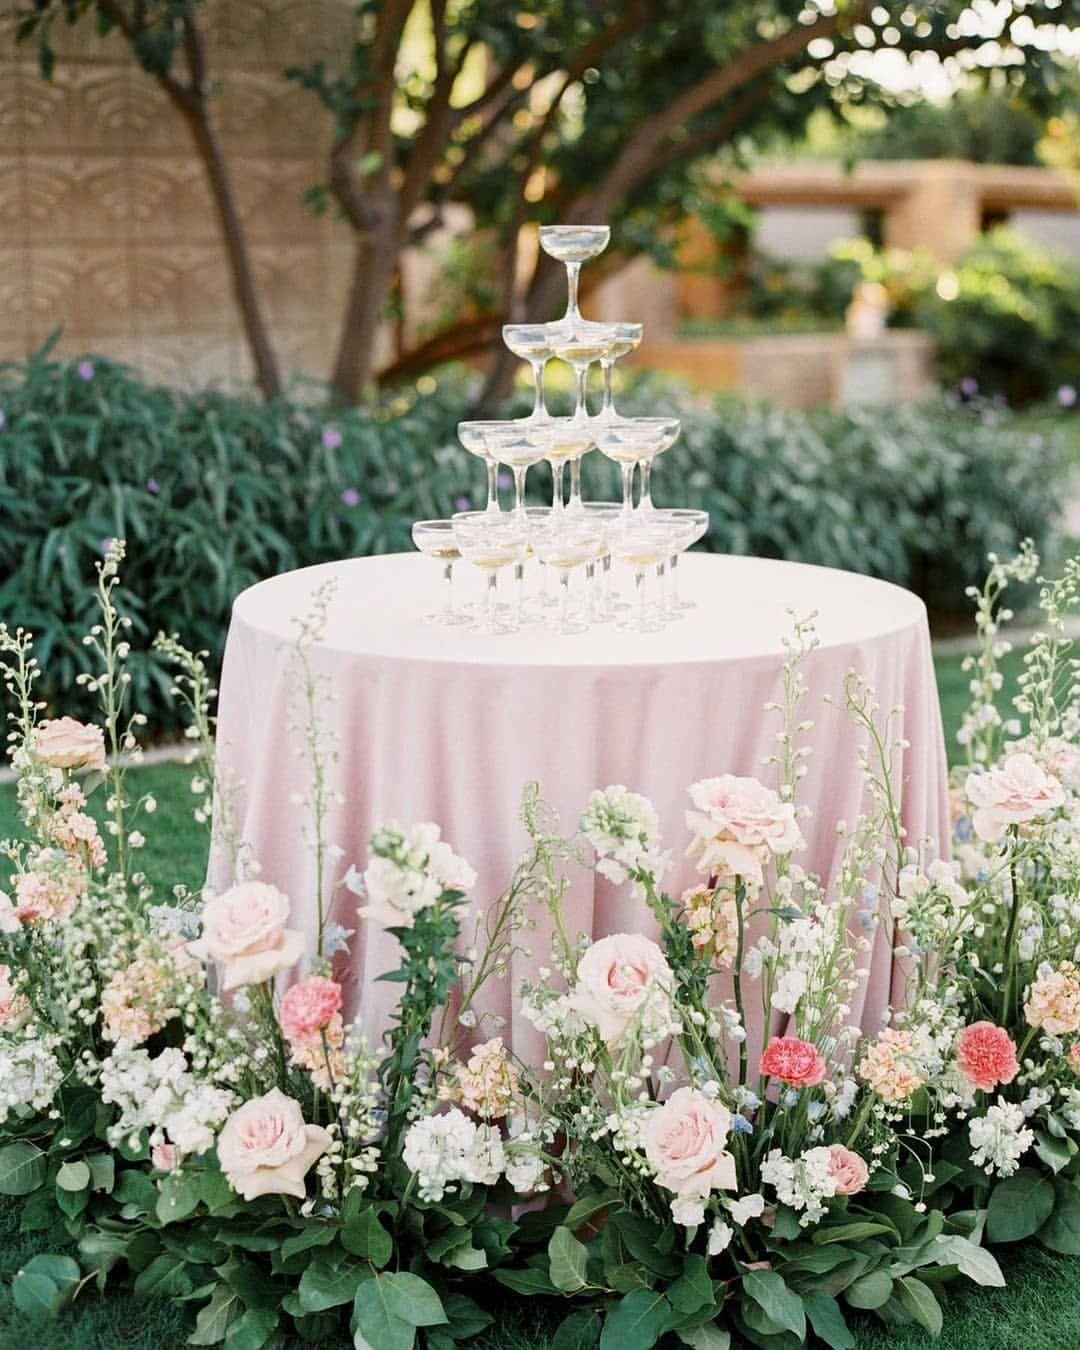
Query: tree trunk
[[373, 270], [245, 291]]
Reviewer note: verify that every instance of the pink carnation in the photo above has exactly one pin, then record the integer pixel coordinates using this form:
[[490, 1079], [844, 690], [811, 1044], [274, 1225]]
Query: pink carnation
[[793, 1061], [308, 1007], [986, 1056], [848, 1170]]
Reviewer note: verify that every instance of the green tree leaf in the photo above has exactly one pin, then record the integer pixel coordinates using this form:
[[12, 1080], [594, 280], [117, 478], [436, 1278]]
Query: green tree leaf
[[387, 1310], [693, 1290], [253, 1329], [568, 1261], [827, 1320], [35, 1295], [364, 1235], [164, 1277], [780, 1304], [178, 1198], [22, 1168], [970, 1259], [580, 1331], [1019, 1206], [708, 1337]]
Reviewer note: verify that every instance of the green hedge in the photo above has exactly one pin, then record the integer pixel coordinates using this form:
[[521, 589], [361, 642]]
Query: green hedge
[[213, 493]]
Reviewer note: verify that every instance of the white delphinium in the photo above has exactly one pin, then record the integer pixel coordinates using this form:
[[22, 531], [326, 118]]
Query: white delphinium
[[624, 829], [801, 1183], [30, 1073], [406, 873], [999, 1139], [447, 1148]]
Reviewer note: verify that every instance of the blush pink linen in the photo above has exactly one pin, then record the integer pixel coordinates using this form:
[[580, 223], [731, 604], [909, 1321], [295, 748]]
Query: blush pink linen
[[449, 725]]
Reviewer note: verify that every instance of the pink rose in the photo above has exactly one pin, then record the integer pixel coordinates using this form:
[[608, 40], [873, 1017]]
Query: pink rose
[[308, 1007], [165, 1157], [1016, 791], [986, 1056], [793, 1061], [684, 1142], [737, 824], [63, 743], [848, 1170], [244, 930], [266, 1148], [619, 978]]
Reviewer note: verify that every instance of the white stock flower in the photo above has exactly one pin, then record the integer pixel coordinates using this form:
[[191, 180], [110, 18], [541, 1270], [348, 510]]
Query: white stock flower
[[407, 872], [999, 1139], [801, 1183], [687, 1212], [748, 1207], [448, 1148], [720, 1236], [30, 1074], [624, 829]]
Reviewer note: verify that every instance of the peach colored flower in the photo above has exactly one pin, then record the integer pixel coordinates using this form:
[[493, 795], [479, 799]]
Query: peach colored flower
[[64, 743], [1015, 791], [1053, 1001], [1074, 1057], [320, 1054], [308, 1007], [890, 1066], [793, 1061], [713, 920], [684, 1142], [51, 892], [986, 1056], [737, 824], [488, 1083], [77, 833], [619, 978], [848, 1170], [14, 1007], [244, 931], [266, 1148]]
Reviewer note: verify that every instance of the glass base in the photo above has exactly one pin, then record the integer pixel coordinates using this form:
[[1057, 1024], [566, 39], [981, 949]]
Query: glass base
[[636, 625], [444, 619]]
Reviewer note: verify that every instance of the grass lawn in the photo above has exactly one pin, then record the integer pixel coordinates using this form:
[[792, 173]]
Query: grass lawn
[[1039, 1311]]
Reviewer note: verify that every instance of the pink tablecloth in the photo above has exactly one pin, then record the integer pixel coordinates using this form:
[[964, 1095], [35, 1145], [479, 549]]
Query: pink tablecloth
[[447, 725]]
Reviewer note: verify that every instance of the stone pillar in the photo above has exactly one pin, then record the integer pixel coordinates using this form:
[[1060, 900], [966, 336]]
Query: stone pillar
[[942, 212]]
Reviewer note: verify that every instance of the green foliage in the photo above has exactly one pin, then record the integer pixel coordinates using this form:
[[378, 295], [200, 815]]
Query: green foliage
[[984, 126]]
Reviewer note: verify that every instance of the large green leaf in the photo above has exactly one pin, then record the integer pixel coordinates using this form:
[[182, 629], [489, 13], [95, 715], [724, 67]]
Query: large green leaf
[[388, 1309], [827, 1320], [580, 1331], [637, 1321], [568, 1261], [1061, 1231], [870, 1291], [73, 1176], [971, 1260], [1019, 1206], [22, 1168], [780, 1304], [693, 1290], [708, 1337], [364, 1235], [919, 1302], [216, 1317], [325, 1285]]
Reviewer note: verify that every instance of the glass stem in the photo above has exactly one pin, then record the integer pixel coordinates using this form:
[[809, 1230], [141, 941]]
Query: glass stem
[[581, 407], [673, 573], [564, 598], [520, 471], [627, 488], [639, 587], [493, 485], [573, 272], [590, 591], [519, 590], [556, 486], [448, 590], [661, 583], [539, 407], [645, 500], [606, 407], [575, 482], [492, 599]]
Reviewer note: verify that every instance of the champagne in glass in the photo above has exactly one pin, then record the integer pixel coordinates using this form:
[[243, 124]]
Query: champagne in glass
[[640, 545], [628, 441], [491, 545], [565, 546], [473, 436], [531, 342], [435, 539], [572, 245]]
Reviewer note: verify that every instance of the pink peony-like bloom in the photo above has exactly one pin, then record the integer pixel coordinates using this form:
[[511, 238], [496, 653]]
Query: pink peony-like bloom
[[64, 743], [737, 824], [848, 1170], [51, 894], [618, 978], [165, 1157], [1016, 791], [1074, 1057], [244, 930], [890, 1066], [1053, 1001], [793, 1061], [308, 1007], [266, 1147], [986, 1056], [684, 1142]]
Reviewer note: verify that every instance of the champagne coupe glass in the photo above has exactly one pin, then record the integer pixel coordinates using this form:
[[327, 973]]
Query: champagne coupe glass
[[572, 245], [641, 545], [645, 502], [691, 526], [473, 436], [435, 539], [627, 339], [490, 544], [531, 342], [604, 515], [556, 439], [537, 518], [635, 440], [520, 445], [564, 546], [579, 347]]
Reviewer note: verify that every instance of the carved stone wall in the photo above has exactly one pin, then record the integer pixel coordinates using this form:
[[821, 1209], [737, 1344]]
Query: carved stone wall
[[107, 229]]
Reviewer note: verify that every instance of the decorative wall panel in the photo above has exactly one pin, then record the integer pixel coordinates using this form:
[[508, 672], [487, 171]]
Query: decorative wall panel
[[107, 224]]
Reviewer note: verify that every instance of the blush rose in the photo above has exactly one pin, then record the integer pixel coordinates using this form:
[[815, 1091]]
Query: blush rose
[[736, 824], [848, 1170], [266, 1147], [616, 978], [64, 743], [1015, 791], [684, 1141], [244, 931]]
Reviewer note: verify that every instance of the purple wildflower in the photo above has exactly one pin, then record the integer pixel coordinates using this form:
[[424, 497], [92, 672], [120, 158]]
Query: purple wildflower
[[1066, 396], [331, 438], [969, 386], [106, 543], [85, 370], [462, 504], [3, 420], [153, 486], [351, 497]]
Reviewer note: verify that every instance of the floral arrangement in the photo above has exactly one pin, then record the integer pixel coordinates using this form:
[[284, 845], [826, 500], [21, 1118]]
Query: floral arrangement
[[710, 1145]]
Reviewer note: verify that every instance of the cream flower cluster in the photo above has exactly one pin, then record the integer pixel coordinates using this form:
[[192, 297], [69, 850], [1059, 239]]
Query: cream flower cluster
[[624, 829], [30, 1073], [445, 1149], [803, 1183], [407, 872], [999, 1139], [161, 1094]]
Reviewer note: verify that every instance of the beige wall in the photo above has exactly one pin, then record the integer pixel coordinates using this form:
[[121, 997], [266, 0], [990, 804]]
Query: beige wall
[[106, 224]]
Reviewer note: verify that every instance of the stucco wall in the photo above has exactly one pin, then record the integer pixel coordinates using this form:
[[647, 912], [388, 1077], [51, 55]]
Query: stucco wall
[[106, 223]]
